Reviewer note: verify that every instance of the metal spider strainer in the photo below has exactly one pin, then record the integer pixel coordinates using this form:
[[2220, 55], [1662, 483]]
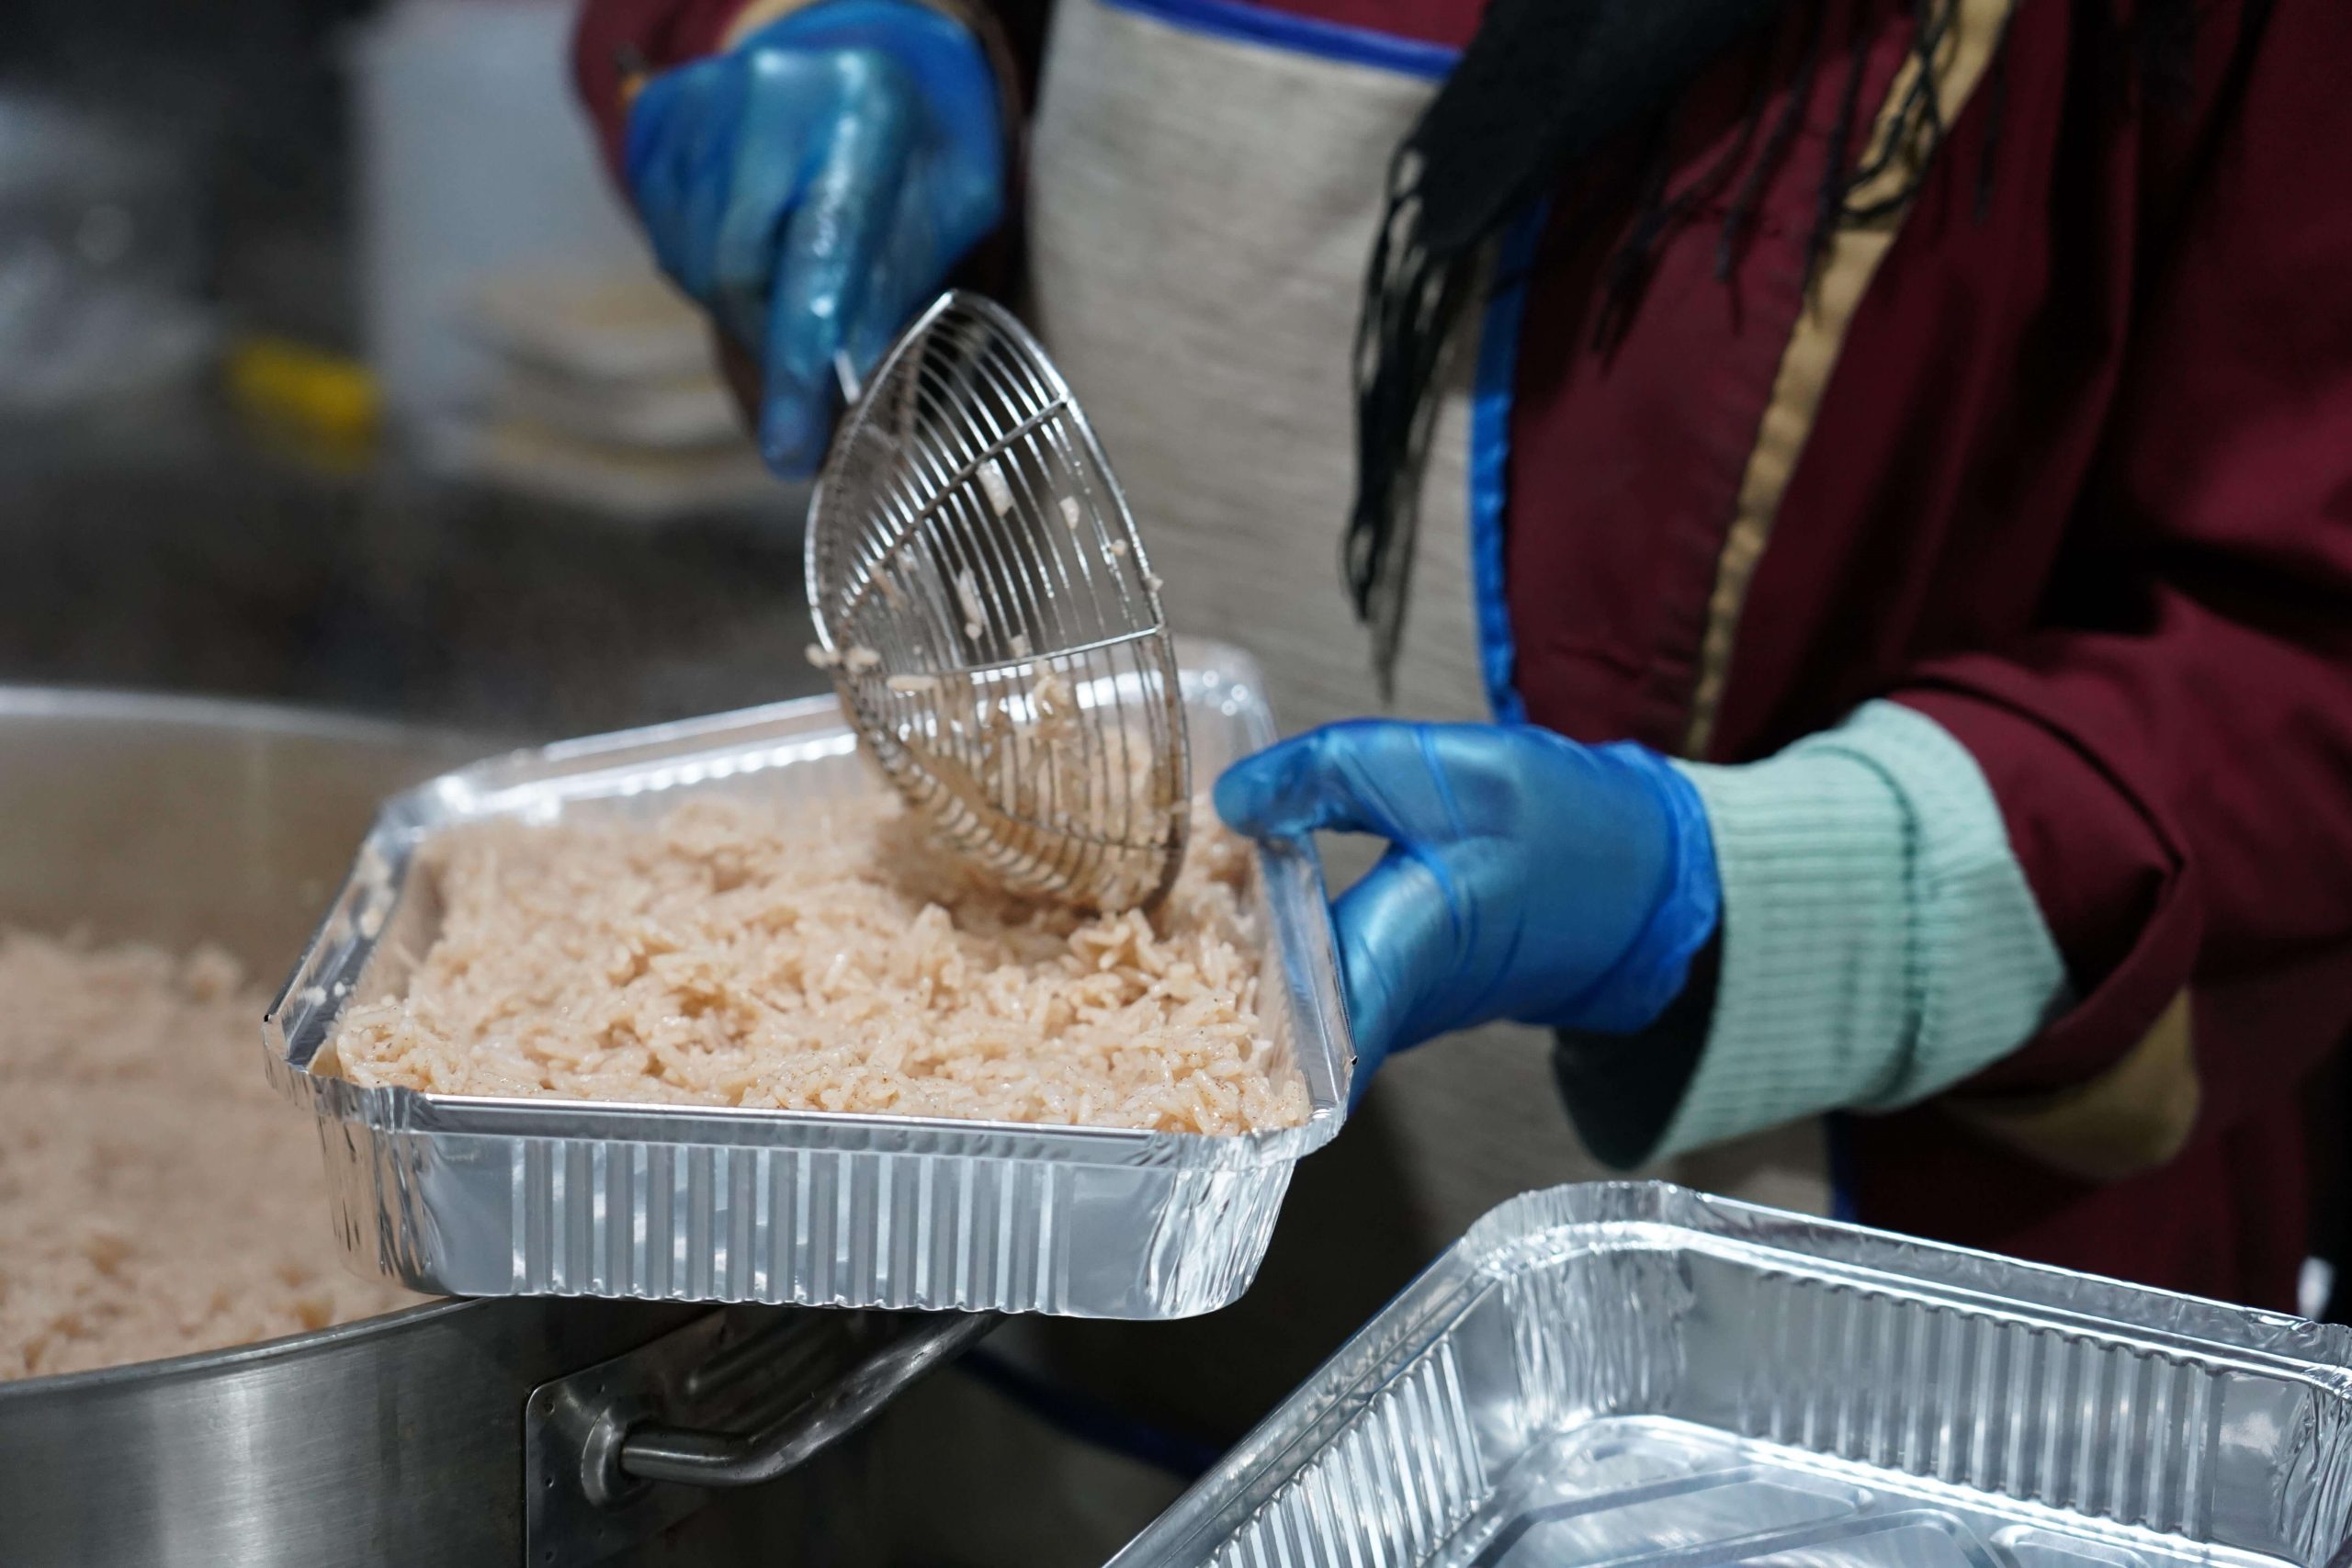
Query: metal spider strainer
[[991, 620]]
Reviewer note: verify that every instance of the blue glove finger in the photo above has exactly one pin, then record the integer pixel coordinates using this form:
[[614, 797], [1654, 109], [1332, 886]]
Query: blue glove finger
[[827, 256], [711, 149], [1396, 944], [901, 282], [685, 138], [1326, 780], [654, 163], [777, 156], [951, 77], [889, 303]]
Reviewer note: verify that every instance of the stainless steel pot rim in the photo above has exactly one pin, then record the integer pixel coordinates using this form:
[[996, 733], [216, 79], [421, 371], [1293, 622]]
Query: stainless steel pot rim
[[205, 1363], [244, 714]]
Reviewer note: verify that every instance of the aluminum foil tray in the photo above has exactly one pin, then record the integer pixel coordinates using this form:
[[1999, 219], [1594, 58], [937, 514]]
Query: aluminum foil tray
[[482, 1197], [1638, 1375]]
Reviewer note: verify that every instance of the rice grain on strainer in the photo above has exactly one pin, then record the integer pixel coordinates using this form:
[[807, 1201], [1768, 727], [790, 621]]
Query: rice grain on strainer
[[828, 958]]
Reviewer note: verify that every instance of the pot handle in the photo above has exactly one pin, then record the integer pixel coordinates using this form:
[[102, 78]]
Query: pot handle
[[596, 1441], [654, 1451]]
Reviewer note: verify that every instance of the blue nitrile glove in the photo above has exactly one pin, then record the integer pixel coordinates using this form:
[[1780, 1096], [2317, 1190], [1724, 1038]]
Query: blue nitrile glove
[[813, 186], [1528, 877]]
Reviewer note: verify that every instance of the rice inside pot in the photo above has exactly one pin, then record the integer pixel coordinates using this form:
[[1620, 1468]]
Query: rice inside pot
[[157, 1198]]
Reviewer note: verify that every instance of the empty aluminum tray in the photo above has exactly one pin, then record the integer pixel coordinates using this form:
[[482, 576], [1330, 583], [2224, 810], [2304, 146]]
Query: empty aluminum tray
[[1643, 1377], [482, 1197]]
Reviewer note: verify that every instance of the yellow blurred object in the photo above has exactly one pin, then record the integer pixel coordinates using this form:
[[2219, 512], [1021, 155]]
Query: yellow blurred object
[[328, 404]]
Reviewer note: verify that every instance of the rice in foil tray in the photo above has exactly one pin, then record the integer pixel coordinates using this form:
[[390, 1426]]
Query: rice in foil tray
[[828, 956]]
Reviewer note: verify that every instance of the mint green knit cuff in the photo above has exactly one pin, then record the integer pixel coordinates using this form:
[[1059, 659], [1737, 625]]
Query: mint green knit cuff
[[1879, 940]]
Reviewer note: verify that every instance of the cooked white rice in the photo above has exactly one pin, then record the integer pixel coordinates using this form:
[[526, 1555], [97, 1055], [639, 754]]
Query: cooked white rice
[[828, 958], [156, 1197], [1000, 492]]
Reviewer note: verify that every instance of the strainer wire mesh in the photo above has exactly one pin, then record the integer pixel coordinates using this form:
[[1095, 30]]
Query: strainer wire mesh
[[974, 568]]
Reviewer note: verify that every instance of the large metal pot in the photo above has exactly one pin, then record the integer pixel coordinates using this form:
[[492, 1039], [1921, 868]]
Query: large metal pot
[[466, 1432], [399, 1439]]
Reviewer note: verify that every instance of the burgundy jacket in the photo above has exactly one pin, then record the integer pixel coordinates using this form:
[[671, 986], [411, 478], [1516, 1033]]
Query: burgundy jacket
[[2059, 452]]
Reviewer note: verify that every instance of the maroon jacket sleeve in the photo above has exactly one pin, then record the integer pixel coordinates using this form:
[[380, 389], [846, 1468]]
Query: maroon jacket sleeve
[[2175, 759]]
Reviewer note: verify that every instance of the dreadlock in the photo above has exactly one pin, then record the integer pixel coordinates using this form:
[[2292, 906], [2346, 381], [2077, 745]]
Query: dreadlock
[[1914, 131], [1541, 87], [1742, 211], [1544, 85]]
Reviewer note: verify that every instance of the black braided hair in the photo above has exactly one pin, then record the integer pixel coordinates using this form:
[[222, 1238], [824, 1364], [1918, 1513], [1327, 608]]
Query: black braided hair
[[1542, 85], [1742, 211]]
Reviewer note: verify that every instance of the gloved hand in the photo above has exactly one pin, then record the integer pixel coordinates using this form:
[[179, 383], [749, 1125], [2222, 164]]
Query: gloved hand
[[1528, 877], [815, 185]]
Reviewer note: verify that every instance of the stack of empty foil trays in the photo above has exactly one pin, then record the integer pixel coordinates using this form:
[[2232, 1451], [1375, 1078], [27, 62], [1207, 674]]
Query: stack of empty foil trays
[[1641, 1377], [484, 1197]]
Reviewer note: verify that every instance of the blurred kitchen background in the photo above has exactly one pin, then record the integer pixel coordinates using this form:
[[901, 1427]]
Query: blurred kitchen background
[[332, 369]]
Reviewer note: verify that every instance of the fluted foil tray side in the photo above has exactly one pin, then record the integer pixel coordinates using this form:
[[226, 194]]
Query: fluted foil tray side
[[1638, 1375], [482, 1197], [579, 1217]]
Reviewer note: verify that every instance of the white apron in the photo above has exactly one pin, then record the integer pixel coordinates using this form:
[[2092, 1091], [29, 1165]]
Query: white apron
[[1202, 208]]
